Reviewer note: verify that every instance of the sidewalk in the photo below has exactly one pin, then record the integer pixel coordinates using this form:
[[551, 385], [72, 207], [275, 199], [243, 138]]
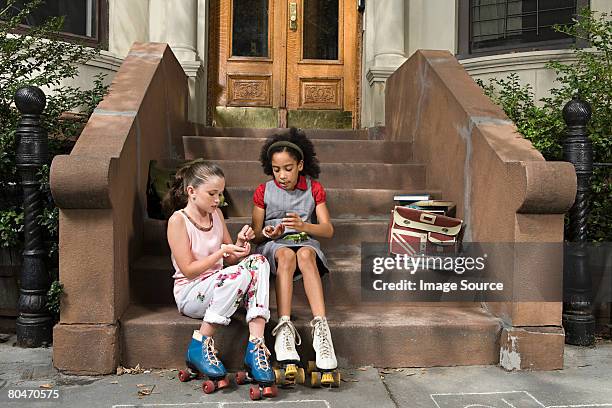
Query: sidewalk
[[585, 382]]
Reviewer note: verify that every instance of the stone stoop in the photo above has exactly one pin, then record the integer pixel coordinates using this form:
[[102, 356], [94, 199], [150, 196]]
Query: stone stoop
[[156, 336], [361, 174]]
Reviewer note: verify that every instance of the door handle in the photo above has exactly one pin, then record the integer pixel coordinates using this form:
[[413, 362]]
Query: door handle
[[293, 16]]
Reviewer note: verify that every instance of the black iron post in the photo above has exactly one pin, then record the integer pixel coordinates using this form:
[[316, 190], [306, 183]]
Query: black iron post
[[34, 324], [578, 319]]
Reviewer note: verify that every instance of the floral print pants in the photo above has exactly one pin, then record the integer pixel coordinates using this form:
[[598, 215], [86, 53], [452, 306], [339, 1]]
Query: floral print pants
[[217, 297]]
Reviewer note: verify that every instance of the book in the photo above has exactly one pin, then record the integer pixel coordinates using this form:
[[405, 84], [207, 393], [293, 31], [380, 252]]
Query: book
[[435, 206], [405, 199]]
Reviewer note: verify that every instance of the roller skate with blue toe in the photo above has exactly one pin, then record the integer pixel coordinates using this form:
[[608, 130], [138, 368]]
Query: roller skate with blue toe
[[288, 370], [258, 371], [202, 360], [324, 371]]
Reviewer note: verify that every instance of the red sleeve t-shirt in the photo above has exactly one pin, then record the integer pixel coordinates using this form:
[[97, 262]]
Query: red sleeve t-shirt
[[318, 193]]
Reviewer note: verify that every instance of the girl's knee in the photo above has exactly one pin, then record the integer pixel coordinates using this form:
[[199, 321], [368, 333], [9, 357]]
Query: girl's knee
[[285, 257], [257, 258], [257, 265], [305, 255]]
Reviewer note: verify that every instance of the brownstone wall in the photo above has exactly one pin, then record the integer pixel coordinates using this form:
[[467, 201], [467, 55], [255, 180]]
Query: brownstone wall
[[100, 189], [504, 189]]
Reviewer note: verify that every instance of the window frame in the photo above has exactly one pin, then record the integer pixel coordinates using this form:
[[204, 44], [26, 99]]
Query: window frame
[[464, 37], [99, 41]]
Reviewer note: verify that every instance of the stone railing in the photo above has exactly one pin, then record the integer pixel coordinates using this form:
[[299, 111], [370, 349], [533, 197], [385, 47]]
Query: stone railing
[[504, 189], [100, 189]]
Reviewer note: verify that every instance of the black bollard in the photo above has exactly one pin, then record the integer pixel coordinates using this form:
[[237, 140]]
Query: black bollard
[[578, 319], [35, 323]]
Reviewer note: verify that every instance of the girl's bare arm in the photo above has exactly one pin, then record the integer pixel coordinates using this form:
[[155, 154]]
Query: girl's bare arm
[[257, 223]]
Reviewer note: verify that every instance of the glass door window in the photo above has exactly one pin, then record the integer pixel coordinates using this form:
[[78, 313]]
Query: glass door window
[[250, 28], [321, 29]]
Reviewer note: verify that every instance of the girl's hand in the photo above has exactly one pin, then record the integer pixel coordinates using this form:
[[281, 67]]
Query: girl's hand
[[272, 232], [235, 250], [293, 220], [246, 234]]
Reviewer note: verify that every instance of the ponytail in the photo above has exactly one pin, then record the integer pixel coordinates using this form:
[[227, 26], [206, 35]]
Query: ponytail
[[192, 174]]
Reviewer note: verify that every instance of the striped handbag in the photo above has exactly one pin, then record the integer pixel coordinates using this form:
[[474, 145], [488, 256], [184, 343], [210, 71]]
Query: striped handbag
[[416, 232]]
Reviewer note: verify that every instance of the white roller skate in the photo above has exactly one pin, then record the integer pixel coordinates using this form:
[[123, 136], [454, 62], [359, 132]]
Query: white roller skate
[[323, 371], [288, 370]]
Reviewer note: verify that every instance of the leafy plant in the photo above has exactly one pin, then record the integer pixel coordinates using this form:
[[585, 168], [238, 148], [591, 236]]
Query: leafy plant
[[53, 297], [36, 56], [11, 227], [542, 123]]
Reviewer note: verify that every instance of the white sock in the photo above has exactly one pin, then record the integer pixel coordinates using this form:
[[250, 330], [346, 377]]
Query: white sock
[[252, 338], [197, 335]]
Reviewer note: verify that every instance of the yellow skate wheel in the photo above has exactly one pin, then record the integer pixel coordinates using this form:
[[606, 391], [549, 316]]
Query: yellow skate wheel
[[311, 367], [279, 376], [336, 379], [290, 371], [300, 376], [327, 379], [315, 379]]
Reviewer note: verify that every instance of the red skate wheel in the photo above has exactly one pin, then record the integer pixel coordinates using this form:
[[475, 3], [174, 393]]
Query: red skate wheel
[[223, 383], [184, 376], [241, 377], [208, 387], [270, 392], [255, 392]]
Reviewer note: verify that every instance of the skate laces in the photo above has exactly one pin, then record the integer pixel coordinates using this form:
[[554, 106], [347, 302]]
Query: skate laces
[[211, 352], [320, 331], [261, 356], [287, 330]]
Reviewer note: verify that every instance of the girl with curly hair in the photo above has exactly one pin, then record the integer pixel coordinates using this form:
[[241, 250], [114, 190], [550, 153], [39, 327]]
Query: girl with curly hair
[[289, 213]]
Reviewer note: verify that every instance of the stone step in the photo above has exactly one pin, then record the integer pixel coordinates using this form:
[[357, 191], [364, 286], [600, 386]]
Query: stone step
[[347, 233], [151, 283], [328, 151], [335, 175], [156, 336], [341, 202], [337, 134]]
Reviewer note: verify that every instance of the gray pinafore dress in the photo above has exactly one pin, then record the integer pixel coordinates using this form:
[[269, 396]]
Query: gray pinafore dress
[[278, 203]]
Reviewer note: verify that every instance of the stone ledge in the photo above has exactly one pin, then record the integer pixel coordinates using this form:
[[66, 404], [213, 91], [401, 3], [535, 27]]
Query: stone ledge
[[515, 61], [85, 349], [70, 191], [532, 348]]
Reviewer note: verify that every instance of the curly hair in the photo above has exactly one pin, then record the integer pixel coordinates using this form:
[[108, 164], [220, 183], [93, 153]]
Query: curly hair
[[297, 137]]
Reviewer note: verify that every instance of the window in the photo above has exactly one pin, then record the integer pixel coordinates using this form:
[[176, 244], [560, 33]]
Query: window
[[250, 28], [84, 20], [497, 26], [321, 29]]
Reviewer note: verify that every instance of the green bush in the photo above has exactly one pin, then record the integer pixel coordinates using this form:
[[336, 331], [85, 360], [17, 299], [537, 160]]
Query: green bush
[[542, 122], [53, 298], [37, 57], [11, 226]]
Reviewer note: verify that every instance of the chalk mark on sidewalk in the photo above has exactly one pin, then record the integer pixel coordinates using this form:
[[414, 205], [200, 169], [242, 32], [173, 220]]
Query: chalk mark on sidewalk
[[323, 404], [493, 400]]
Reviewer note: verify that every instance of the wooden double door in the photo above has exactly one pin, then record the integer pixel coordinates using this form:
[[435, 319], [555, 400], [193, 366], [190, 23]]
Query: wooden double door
[[287, 58]]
